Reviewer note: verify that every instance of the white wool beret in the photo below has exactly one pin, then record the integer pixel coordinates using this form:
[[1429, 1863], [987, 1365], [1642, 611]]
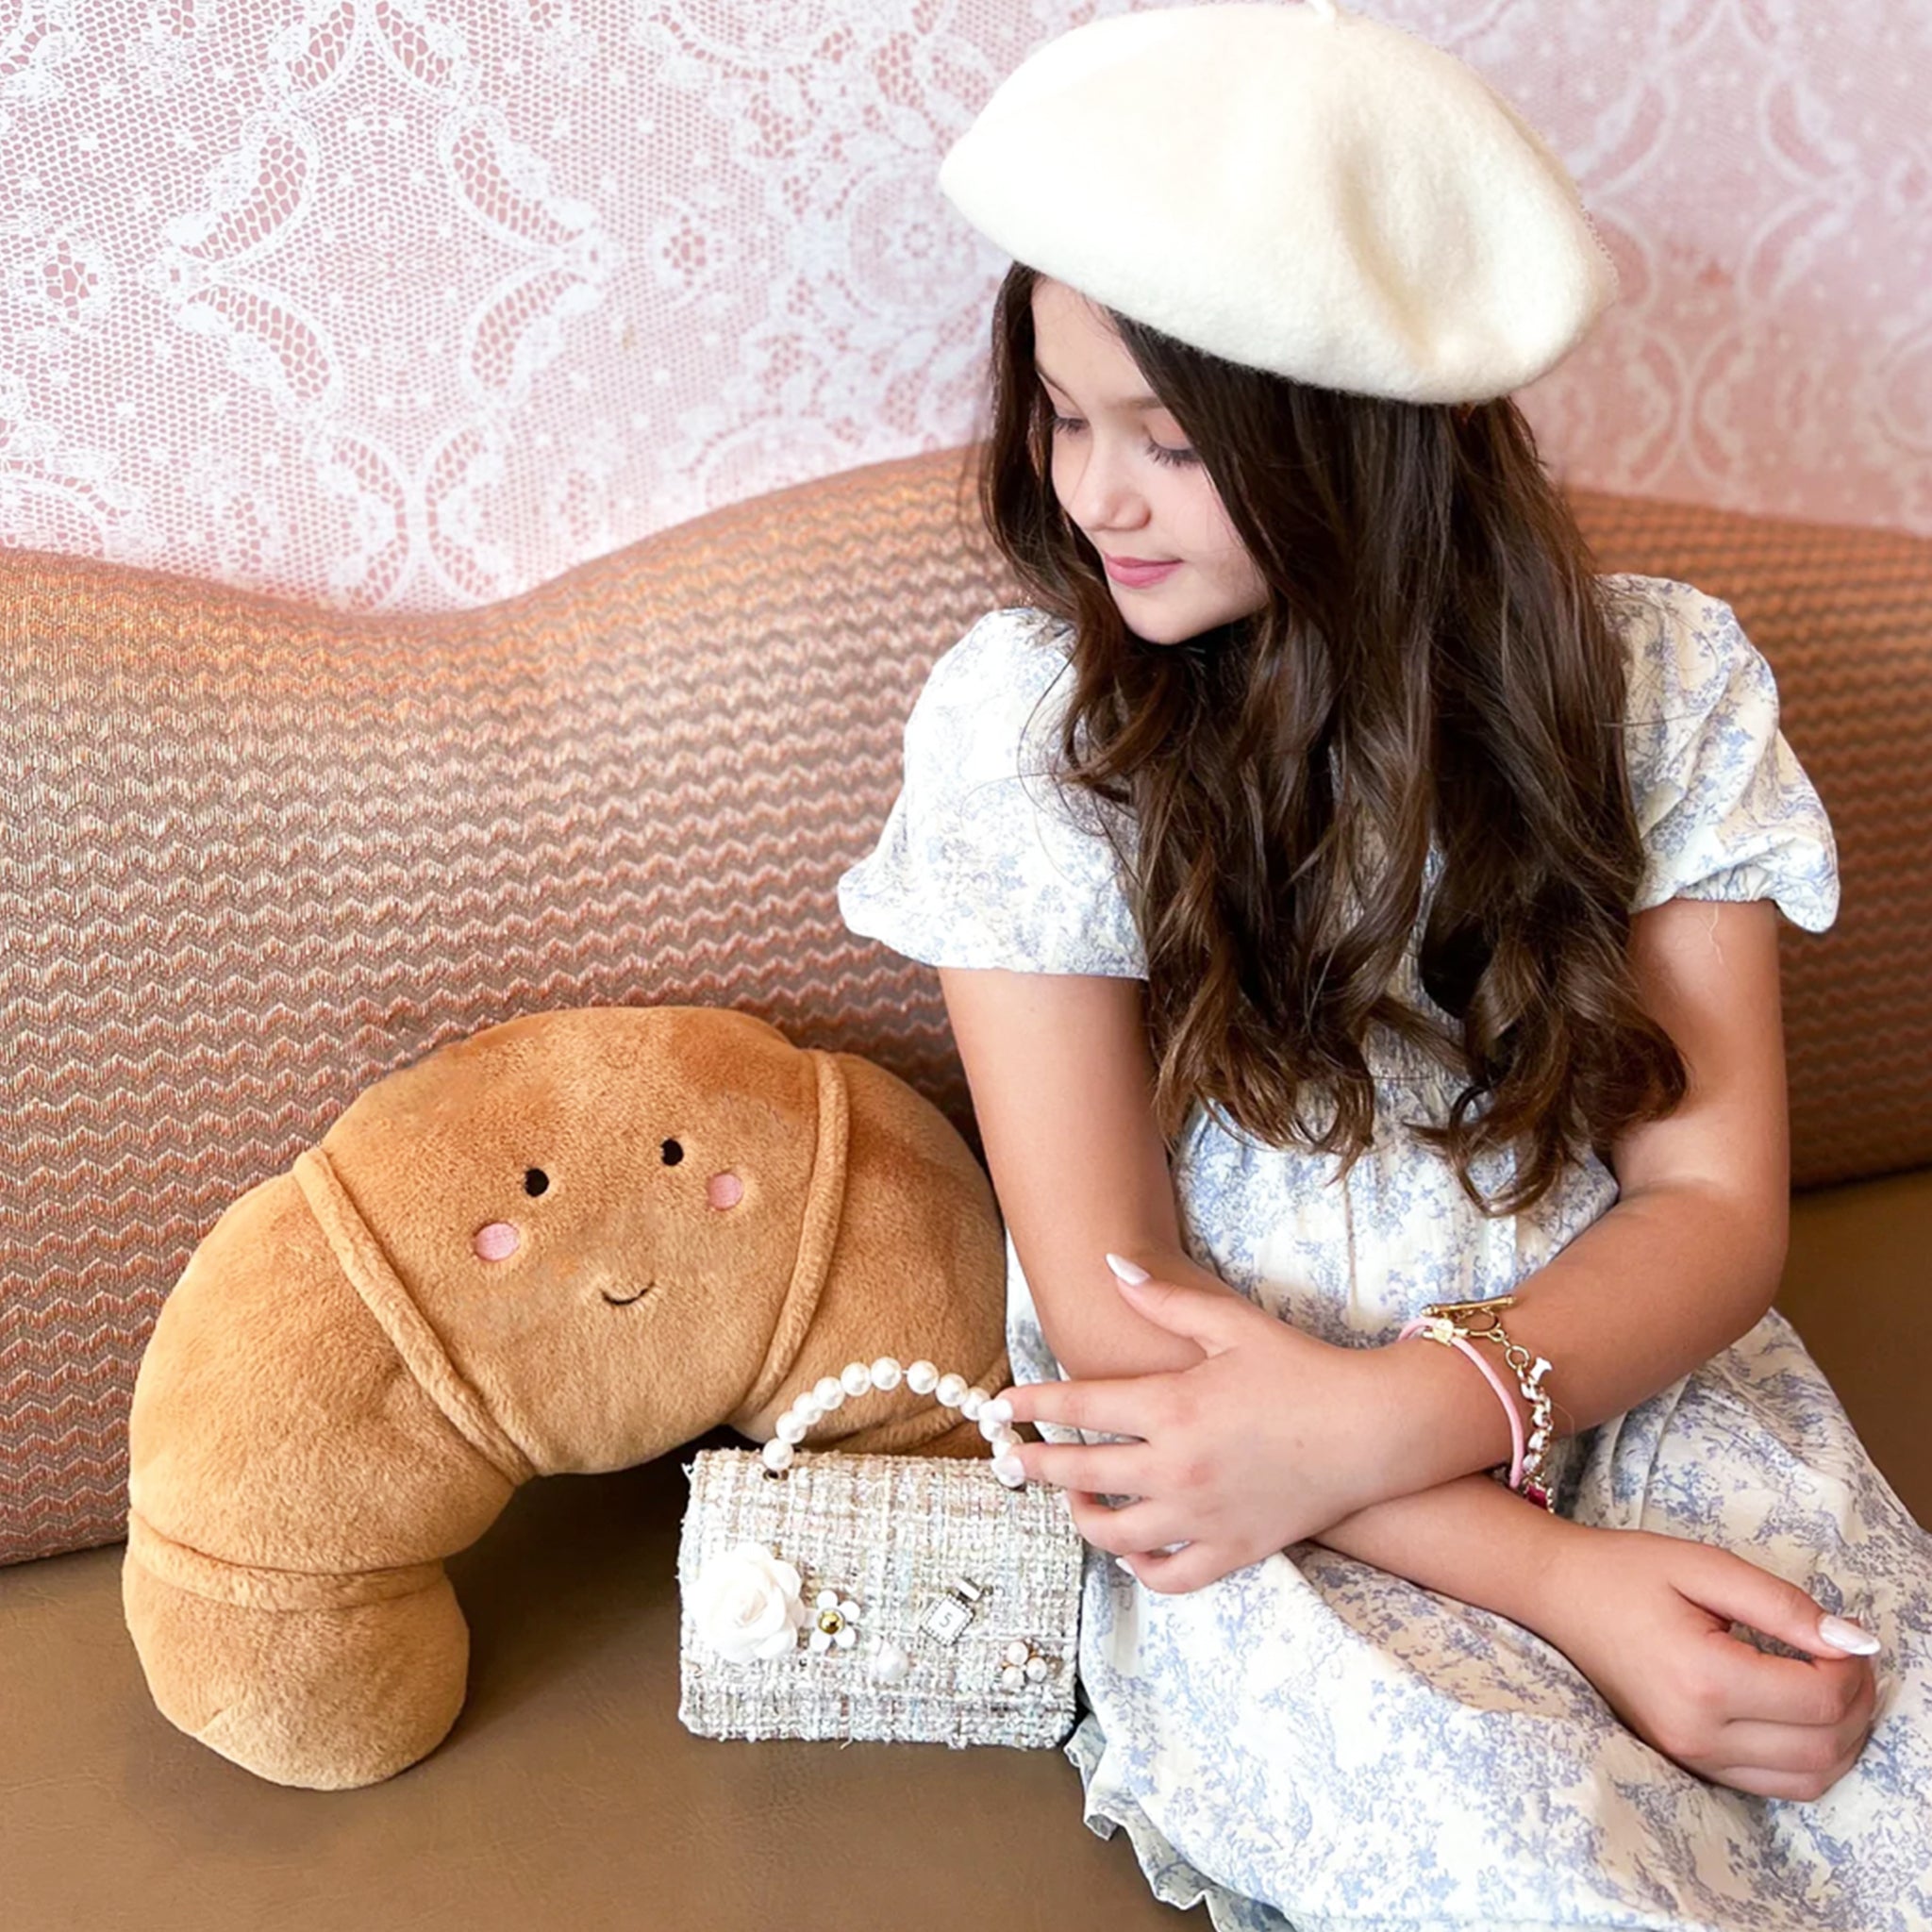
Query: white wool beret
[[1294, 188]]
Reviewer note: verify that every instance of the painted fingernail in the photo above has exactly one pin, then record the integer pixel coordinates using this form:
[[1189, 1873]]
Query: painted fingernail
[[1843, 1634], [998, 1411], [1009, 1470], [1125, 1565], [1128, 1270]]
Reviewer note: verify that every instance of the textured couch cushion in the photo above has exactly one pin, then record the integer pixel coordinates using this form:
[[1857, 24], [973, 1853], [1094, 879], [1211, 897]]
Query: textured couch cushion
[[258, 854]]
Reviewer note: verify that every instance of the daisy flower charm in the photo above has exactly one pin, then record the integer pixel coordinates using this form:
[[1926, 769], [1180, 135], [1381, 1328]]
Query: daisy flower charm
[[834, 1622]]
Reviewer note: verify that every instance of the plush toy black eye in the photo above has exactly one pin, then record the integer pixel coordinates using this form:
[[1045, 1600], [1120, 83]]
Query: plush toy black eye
[[535, 1180], [672, 1153]]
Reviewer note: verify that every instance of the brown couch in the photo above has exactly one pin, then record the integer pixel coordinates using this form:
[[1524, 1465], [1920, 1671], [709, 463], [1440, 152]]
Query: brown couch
[[256, 854]]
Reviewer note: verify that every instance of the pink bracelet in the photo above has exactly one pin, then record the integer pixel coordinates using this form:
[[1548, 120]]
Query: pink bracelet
[[1436, 1329]]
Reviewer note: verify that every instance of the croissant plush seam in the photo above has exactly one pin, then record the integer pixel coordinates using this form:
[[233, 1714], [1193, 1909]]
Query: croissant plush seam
[[258, 1589], [368, 1271], [818, 1232]]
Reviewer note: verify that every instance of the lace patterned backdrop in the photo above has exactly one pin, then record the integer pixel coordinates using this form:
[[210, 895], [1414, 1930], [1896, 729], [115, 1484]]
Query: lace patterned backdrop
[[413, 304]]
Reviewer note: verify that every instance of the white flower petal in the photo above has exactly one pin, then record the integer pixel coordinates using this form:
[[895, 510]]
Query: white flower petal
[[744, 1604]]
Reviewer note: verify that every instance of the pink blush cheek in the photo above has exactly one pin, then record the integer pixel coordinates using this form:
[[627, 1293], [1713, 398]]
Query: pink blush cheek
[[497, 1243], [724, 1191]]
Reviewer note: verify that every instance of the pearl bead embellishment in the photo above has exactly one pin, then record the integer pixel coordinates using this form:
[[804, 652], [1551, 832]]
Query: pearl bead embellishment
[[1021, 1665], [888, 1663], [860, 1378]]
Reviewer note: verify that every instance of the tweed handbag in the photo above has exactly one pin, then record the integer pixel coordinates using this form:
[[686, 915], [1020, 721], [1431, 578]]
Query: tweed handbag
[[910, 1599]]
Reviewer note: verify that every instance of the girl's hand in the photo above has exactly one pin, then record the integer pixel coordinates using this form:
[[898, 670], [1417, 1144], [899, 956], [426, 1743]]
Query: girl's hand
[[1268, 1440], [1647, 1619]]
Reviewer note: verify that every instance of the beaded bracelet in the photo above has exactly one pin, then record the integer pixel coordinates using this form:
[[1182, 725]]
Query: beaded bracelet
[[996, 1418], [1463, 1317]]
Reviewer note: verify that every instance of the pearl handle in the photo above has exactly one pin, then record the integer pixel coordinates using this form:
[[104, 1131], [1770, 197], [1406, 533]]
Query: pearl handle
[[996, 1418]]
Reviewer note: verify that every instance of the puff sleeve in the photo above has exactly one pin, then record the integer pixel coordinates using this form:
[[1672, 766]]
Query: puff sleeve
[[1725, 808], [983, 861]]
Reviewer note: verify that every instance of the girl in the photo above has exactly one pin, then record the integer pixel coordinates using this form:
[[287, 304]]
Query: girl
[[1348, 905]]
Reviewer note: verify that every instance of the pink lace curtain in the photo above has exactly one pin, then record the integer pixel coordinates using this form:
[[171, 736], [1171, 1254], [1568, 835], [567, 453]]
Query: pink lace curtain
[[413, 304]]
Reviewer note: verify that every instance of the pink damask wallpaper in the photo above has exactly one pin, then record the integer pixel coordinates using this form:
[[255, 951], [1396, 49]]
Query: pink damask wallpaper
[[413, 304]]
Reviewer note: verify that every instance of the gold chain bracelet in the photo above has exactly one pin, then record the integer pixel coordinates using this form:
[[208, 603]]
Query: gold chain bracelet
[[1481, 1322]]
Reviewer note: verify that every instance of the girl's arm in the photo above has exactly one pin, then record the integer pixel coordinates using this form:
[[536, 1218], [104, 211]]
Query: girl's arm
[[1062, 1081], [1686, 1261], [1647, 1619]]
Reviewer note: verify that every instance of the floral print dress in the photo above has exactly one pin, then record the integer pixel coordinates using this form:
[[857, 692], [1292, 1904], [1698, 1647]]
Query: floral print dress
[[1312, 1742]]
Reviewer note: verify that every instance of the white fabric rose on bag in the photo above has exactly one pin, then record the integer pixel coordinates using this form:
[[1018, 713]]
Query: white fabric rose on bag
[[746, 1605]]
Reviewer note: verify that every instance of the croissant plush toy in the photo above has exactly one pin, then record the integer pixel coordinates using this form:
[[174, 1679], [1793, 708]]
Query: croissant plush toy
[[568, 1243]]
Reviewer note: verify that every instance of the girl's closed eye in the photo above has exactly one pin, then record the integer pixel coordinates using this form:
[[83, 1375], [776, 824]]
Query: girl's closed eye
[[1160, 452]]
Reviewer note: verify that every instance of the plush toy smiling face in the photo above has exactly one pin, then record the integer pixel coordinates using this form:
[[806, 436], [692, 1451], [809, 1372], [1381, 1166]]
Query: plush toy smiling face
[[500, 1240], [599, 1213]]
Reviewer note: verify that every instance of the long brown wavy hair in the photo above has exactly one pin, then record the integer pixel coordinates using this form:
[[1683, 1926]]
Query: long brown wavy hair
[[1437, 658]]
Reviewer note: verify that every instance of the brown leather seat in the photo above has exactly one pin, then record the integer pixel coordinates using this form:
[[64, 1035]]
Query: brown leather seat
[[568, 1796]]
